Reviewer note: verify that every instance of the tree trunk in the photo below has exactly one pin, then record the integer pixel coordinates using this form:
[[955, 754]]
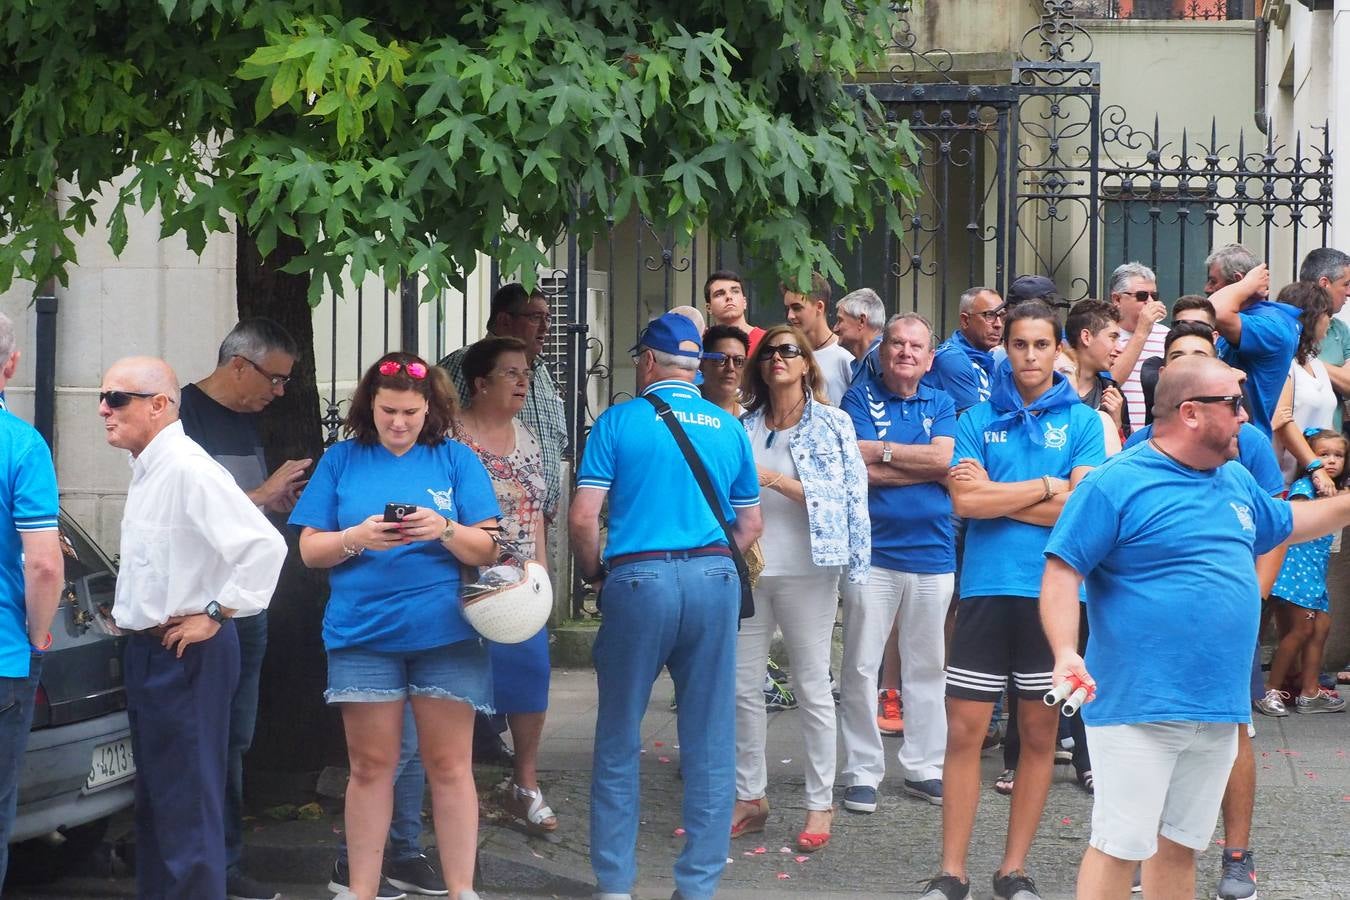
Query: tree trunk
[[296, 731]]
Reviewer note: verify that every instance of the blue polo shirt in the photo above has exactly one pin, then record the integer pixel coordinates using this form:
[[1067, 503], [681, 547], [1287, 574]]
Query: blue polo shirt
[[654, 501], [1172, 597], [869, 364], [911, 524], [1003, 556], [1269, 337], [406, 598], [961, 372], [1255, 454], [28, 499]]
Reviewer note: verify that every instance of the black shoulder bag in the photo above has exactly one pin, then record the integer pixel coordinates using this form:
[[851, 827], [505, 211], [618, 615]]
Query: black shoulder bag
[[705, 484]]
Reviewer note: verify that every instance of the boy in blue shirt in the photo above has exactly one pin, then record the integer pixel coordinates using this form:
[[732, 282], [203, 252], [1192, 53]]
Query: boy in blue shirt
[[1018, 455]]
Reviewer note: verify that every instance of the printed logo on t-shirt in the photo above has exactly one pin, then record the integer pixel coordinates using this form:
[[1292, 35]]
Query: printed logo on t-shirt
[[982, 389], [928, 427], [880, 421], [1244, 516], [443, 499], [996, 437], [1056, 438]]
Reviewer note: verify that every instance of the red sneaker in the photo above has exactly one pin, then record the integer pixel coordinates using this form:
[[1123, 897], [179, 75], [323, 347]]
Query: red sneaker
[[889, 718]]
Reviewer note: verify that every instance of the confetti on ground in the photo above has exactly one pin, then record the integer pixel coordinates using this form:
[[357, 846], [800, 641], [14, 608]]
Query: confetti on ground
[[658, 743], [1346, 798], [643, 750], [1066, 821], [786, 761], [801, 859], [676, 746], [535, 855], [1219, 842], [759, 850], [730, 860], [783, 876], [678, 832], [663, 759]]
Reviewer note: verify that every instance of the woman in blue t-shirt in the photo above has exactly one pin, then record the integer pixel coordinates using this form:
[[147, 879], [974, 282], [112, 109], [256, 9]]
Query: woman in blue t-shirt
[[393, 627]]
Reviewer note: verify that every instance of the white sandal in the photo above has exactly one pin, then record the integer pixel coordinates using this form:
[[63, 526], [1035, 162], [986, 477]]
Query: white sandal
[[529, 805]]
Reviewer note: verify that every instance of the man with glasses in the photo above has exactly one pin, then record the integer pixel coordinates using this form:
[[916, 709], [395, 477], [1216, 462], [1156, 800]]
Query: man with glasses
[[196, 553], [963, 363], [1134, 291], [810, 314], [220, 413], [1143, 532]]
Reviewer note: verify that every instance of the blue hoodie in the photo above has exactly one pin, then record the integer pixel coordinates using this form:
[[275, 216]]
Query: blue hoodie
[[1014, 441]]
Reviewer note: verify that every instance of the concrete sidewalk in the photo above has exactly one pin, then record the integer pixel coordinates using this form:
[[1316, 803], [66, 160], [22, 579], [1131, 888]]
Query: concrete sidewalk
[[1302, 819]]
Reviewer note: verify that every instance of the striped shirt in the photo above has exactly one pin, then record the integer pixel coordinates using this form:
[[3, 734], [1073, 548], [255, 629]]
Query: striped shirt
[[1132, 389]]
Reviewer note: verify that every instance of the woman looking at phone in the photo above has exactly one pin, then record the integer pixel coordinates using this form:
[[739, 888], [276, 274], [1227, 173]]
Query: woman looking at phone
[[498, 375], [393, 627]]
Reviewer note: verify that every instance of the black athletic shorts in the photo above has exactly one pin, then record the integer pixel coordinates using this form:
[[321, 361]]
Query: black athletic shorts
[[998, 637]]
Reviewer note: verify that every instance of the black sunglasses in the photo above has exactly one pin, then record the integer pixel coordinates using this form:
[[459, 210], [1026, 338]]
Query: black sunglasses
[[1141, 296], [119, 399], [1234, 401], [784, 351]]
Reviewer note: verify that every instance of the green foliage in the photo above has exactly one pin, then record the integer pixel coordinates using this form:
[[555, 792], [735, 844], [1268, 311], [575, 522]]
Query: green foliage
[[398, 134]]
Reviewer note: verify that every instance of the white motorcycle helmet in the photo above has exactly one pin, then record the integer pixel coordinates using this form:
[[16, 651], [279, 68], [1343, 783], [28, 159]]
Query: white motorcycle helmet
[[510, 601]]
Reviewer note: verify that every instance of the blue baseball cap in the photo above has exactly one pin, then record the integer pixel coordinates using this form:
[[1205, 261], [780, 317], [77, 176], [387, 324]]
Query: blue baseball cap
[[671, 333]]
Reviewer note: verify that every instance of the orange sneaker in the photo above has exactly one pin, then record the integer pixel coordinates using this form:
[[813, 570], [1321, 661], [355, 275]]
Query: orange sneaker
[[889, 718]]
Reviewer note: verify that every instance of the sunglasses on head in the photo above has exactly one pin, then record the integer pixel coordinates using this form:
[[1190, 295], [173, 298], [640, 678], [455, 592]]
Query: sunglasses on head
[[783, 351], [416, 370], [119, 399]]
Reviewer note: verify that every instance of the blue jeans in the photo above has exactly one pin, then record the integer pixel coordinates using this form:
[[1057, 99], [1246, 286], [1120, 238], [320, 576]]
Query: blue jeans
[[410, 782], [252, 631], [681, 614], [16, 718]]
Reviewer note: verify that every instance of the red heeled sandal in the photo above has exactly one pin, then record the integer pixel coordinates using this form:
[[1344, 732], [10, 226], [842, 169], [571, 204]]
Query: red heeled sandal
[[811, 841], [754, 823]]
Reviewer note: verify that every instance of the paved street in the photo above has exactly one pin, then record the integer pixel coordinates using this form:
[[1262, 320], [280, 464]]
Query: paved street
[[1303, 813]]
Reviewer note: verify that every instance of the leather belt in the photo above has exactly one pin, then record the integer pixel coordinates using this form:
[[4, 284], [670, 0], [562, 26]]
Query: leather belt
[[153, 631], [652, 555]]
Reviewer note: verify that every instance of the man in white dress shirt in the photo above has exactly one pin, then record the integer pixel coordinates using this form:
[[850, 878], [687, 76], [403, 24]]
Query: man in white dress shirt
[[195, 552]]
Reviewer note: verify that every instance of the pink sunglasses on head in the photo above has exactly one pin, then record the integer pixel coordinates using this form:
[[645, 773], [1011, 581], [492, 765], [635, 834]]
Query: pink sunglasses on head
[[416, 370]]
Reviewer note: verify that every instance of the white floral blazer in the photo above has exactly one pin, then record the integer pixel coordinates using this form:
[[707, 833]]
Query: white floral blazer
[[825, 448]]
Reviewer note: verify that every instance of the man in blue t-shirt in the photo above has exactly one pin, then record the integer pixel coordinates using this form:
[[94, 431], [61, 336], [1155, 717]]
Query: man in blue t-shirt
[[670, 593], [32, 572], [905, 434], [1257, 456], [1017, 457], [858, 319], [963, 364], [1256, 335], [1169, 663]]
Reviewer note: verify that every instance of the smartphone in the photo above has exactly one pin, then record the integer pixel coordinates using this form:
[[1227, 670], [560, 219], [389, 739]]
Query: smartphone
[[397, 512]]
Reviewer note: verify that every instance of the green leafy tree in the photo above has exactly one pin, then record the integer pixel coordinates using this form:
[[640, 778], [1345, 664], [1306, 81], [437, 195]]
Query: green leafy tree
[[379, 137], [395, 135]]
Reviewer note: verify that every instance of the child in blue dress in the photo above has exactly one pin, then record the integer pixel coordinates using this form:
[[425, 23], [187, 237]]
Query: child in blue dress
[[1301, 599]]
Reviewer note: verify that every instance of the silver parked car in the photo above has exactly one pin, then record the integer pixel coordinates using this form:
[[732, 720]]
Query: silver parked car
[[79, 769]]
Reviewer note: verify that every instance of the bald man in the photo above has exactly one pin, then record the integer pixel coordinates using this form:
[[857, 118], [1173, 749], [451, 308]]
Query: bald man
[[195, 552], [1163, 535]]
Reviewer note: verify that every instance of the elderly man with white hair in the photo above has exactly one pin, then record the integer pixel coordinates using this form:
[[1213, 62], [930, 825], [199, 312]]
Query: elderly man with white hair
[[195, 552], [1134, 291], [859, 318]]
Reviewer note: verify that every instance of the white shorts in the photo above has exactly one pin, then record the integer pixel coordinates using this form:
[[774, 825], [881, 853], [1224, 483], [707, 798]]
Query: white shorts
[[1157, 778]]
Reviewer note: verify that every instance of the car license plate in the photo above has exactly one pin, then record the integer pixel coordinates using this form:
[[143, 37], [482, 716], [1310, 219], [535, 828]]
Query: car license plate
[[112, 762]]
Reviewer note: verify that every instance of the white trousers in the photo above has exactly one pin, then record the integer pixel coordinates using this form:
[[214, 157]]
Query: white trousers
[[922, 602], [803, 606]]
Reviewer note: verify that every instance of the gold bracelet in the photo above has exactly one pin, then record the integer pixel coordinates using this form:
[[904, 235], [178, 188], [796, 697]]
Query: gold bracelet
[[1049, 491], [775, 481]]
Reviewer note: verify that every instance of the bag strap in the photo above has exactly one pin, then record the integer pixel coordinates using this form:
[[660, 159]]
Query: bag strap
[[700, 475]]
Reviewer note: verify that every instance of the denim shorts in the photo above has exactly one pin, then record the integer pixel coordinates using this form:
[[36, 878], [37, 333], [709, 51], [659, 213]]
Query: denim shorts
[[458, 671]]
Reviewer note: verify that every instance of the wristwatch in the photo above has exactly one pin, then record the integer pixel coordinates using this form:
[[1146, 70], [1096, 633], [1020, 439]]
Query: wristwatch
[[885, 451], [215, 613], [1313, 466]]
